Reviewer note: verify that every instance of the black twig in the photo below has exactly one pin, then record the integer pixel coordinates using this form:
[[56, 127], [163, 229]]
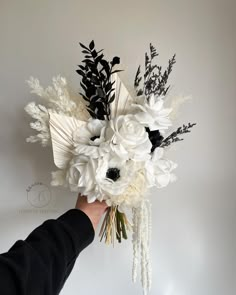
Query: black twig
[[173, 137], [154, 81]]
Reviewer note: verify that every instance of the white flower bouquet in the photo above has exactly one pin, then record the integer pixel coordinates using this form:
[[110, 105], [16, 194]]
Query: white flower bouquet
[[109, 143]]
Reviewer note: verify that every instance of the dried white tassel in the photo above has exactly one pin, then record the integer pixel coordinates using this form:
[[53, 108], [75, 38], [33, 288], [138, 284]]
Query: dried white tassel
[[141, 243], [136, 243], [148, 243]]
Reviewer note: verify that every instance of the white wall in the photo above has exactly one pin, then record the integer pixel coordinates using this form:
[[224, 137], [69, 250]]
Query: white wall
[[193, 245]]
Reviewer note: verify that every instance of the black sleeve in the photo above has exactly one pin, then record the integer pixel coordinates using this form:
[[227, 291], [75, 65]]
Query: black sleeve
[[41, 263]]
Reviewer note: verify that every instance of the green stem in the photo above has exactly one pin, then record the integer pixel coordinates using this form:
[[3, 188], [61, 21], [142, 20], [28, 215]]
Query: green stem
[[123, 227], [118, 233]]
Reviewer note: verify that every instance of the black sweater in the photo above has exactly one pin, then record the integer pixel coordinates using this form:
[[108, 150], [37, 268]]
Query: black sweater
[[41, 263]]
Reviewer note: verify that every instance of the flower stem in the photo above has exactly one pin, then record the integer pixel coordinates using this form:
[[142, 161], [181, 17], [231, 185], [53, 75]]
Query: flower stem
[[115, 224]]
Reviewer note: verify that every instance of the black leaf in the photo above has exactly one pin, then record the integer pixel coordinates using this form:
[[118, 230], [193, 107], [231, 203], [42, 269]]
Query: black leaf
[[112, 98], [105, 64], [90, 91], [100, 92], [100, 108], [80, 72], [84, 80], [94, 54], [103, 77], [92, 114], [94, 99], [108, 87], [140, 92], [83, 46], [99, 58], [116, 71], [88, 61], [89, 75], [91, 45], [100, 51], [83, 86], [85, 51], [84, 97], [94, 80], [81, 67]]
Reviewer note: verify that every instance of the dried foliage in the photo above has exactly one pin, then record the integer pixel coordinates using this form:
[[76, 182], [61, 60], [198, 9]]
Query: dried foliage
[[154, 79], [96, 81], [173, 137]]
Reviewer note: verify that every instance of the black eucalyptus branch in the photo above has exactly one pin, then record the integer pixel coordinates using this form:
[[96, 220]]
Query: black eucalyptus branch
[[96, 81], [154, 81], [173, 137]]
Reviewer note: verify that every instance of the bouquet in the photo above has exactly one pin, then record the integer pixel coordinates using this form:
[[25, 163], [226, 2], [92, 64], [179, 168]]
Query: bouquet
[[109, 143]]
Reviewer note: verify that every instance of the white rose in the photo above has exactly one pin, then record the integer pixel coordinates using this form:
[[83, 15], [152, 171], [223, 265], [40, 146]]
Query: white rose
[[128, 138], [152, 114], [81, 176], [159, 170]]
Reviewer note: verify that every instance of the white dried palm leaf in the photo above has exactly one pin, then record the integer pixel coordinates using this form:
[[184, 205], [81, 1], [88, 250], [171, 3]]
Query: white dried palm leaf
[[122, 97], [61, 129]]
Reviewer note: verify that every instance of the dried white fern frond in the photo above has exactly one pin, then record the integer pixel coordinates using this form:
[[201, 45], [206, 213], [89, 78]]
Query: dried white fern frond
[[59, 98], [41, 115], [80, 111], [35, 86]]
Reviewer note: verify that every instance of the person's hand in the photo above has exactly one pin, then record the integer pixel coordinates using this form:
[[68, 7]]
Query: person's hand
[[93, 210]]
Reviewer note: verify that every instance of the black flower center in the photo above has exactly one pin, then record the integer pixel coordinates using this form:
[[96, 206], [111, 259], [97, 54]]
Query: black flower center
[[94, 137], [113, 173]]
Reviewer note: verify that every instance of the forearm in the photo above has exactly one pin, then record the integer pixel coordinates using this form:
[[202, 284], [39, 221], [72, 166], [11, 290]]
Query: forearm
[[41, 263]]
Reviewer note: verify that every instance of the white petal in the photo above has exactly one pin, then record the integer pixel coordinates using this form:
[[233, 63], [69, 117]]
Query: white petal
[[87, 150], [144, 117], [91, 198], [157, 154], [163, 180]]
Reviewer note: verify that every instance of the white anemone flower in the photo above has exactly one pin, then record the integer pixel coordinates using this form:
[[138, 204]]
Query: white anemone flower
[[152, 114], [81, 176], [159, 170], [87, 139], [128, 138], [113, 176]]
